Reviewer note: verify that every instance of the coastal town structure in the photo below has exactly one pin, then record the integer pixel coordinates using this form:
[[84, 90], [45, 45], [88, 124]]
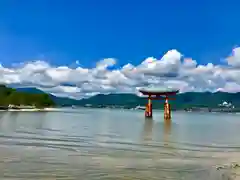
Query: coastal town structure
[[165, 94]]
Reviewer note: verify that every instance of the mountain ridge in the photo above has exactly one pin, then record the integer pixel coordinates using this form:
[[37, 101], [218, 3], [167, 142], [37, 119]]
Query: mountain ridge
[[182, 100], [10, 96], [60, 101]]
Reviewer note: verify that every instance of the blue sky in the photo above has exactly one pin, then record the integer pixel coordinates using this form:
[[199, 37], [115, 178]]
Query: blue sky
[[47, 34], [64, 31]]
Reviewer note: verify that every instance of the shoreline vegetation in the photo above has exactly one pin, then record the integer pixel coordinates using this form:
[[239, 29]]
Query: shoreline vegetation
[[194, 109], [222, 102], [32, 99], [12, 100], [27, 109]]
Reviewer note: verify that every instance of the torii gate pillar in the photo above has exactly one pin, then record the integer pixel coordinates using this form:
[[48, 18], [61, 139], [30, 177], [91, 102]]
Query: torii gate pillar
[[158, 94], [167, 110], [148, 110]]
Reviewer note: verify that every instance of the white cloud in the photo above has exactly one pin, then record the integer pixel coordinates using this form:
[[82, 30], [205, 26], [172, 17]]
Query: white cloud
[[234, 59], [170, 71]]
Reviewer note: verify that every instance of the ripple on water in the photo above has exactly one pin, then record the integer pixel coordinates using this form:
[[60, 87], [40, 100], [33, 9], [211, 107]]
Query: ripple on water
[[108, 151]]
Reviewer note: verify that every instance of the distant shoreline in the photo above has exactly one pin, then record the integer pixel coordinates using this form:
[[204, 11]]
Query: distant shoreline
[[58, 109], [6, 109], [194, 109]]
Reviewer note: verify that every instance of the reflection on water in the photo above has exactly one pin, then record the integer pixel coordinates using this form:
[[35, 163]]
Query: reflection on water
[[148, 129], [167, 131], [108, 144]]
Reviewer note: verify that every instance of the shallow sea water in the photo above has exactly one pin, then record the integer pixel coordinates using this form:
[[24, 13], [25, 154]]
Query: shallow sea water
[[101, 144]]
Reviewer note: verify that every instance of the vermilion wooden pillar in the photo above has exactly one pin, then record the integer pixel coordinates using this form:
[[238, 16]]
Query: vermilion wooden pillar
[[148, 110], [159, 94], [167, 110]]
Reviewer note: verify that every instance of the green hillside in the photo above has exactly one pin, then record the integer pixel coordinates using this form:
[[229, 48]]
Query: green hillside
[[185, 100], [59, 101], [12, 96]]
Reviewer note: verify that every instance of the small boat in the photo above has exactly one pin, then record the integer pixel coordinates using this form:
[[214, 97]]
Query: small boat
[[140, 107]]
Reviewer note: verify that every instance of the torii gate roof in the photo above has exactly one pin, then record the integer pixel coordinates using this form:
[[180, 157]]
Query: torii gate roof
[[158, 91]]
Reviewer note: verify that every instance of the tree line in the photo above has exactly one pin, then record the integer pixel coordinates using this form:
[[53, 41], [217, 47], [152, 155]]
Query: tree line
[[12, 96]]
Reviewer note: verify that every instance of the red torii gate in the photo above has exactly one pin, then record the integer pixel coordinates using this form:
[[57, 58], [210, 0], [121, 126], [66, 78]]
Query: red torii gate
[[159, 94]]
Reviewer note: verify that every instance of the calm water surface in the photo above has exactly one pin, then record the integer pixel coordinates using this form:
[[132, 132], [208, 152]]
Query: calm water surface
[[113, 144]]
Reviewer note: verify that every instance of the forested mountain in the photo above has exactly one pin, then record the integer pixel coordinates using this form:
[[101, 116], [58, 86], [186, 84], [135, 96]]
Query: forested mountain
[[184, 100], [12, 96], [59, 101]]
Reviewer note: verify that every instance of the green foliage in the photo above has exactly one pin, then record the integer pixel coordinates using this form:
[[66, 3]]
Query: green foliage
[[59, 101], [185, 100], [11, 96]]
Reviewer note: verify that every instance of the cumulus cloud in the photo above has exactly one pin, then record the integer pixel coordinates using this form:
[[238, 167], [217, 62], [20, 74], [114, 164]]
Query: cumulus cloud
[[172, 70], [234, 58]]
